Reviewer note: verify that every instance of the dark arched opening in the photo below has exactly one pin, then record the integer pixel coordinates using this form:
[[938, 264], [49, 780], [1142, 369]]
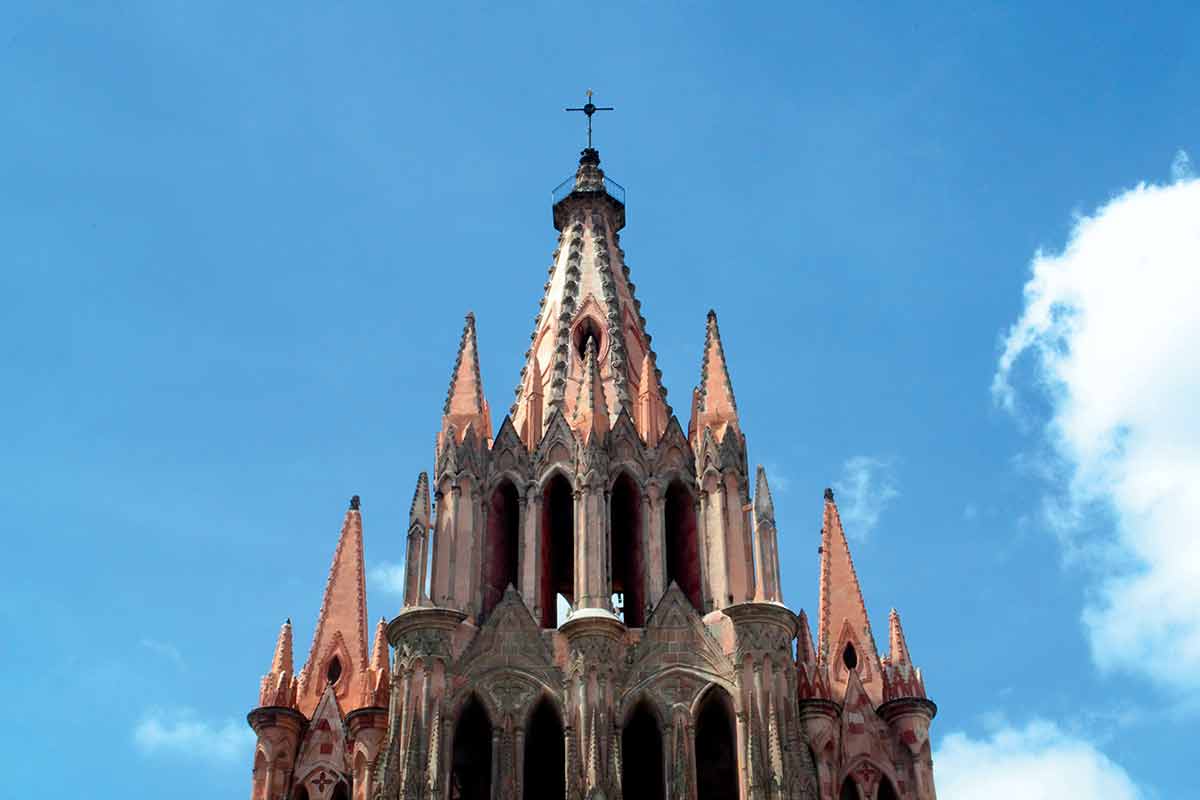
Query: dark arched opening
[[503, 536], [471, 763], [545, 765], [642, 755], [886, 790], [716, 757], [558, 547], [849, 792], [683, 551], [340, 792], [299, 793], [588, 330], [628, 562]]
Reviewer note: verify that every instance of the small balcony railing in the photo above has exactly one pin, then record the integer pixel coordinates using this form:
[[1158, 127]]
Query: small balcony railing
[[613, 189]]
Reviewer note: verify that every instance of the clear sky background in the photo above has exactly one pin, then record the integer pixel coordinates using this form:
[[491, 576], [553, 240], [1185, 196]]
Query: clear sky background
[[239, 240]]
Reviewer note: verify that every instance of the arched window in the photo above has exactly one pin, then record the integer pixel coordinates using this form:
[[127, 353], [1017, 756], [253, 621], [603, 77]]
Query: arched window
[[300, 793], [886, 790], [340, 792], [849, 792], [587, 330], [716, 757], [471, 764], [628, 563], [545, 764], [642, 755], [683, 550], [503, 536], [558, 547]]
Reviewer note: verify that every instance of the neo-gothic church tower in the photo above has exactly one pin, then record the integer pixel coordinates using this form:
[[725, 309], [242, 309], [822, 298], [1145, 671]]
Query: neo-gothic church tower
[[592, 604]]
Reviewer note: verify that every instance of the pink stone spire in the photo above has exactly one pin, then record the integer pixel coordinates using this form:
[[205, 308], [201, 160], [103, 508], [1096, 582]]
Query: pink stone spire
[[714, 406], [341, 631], [278, 687], [465, 406], [589, 296], [844, 622], [379, 652], [652, 413], [282, 662], [898, 648], [591, 411]]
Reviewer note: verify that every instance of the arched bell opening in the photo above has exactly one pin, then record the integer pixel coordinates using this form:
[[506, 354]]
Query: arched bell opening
[[299, 793], [886, 790], [503, 538], [545, 762], [626, 556], [558, 548], [340, 792], [471, 760], [849, 791], [682, 543], [642, 755], [716, 755]]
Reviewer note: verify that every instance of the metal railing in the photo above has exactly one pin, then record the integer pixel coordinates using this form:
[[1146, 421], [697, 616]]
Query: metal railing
[[613, 189]]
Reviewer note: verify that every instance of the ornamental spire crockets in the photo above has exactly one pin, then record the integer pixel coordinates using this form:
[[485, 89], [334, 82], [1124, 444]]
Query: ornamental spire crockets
[[844, 639], [588, 297], [714, 406], [278, 687], [466, 409], [339, 647]]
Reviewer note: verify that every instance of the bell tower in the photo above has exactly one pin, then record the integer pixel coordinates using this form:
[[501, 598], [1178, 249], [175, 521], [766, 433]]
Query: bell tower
[[593, 601]]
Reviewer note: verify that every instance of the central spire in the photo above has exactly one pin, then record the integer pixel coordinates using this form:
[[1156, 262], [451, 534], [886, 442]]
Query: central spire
[[589, 303]]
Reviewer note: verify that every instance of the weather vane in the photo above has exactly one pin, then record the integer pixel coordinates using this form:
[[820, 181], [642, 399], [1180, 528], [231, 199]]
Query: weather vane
[[590, 108]]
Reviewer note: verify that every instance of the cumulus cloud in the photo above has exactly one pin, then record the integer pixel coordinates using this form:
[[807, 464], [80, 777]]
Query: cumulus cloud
[[387, 577], [863, 492], [1037, 762], [180, 733], [1110, 333]]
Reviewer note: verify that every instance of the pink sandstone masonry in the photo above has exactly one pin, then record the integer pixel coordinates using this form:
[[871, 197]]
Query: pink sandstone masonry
[[603, 615]]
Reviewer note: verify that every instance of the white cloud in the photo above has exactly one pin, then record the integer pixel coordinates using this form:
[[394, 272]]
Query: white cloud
[[1111, 328], [179, 733], [1181, 167], [164, 649], [387, 577], [864, 491], [1037, 762]]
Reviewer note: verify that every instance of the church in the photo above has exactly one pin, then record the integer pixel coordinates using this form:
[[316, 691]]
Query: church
[[592, 604]]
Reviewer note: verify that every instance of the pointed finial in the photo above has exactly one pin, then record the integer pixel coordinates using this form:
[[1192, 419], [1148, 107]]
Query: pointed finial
[[591, 408], [354, 502], [898, 647], [764, 506], [829, 494], [714, 405], [282, 661]]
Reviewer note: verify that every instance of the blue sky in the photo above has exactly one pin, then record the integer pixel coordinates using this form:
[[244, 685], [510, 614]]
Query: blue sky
[[239, 240]]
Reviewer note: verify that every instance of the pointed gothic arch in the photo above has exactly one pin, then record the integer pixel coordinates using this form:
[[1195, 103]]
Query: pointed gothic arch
[[716, 750], [626, 555], [849, 790], [340, 792], [886, 791], [642, 771], [503, 542], [545, 769], [557, 546], [682, 543], [299, 793], [471, 754]]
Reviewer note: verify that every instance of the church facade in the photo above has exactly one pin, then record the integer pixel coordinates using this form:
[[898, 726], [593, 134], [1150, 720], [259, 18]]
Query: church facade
[[592, 604]]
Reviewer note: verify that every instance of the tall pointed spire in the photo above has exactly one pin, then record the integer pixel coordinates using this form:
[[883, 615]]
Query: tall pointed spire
[[765, 542], [591, 410], [282, 662], [844, 622], [465, 405], [652, 412], [714, 405], [278, 687], [897, 647], [341, 631], [416, 558], [589, 296], [379, 651], [531, 431]]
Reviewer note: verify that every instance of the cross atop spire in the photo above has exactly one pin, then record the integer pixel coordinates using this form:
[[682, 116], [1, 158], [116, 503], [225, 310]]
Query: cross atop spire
[[589, 108]]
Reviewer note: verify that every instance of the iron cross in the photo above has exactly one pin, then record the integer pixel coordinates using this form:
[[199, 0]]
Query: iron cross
[[590, 108]]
